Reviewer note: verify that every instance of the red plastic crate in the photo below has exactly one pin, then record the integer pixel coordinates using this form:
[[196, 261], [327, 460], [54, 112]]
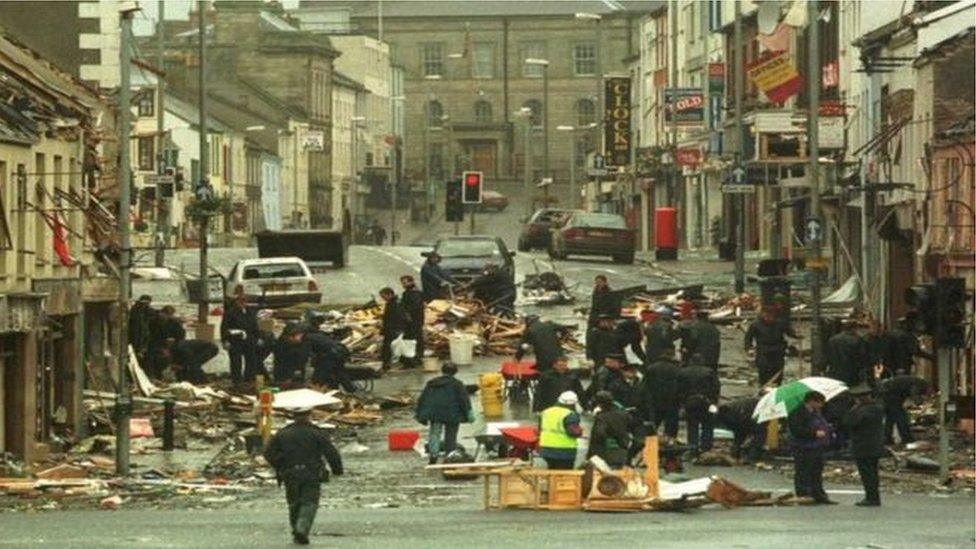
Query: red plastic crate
[[514, 370], [402, 440]]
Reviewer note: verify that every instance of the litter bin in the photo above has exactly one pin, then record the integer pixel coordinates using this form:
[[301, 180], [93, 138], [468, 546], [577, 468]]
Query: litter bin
[[462, 348]]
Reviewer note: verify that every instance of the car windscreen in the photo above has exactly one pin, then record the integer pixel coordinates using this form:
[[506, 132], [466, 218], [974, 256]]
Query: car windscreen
[[601, 221], [468, 248], [273, 270]]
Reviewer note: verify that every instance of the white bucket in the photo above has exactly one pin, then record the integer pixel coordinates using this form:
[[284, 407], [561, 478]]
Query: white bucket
[[462, 348]]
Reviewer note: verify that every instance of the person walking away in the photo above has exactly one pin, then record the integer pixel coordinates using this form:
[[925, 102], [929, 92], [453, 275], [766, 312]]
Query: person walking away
[[809, 436], [141, 319], [603, 302], [768, 334], [865, 426], [699, 388], [602, 340], [413, 305], [238, 333], [187, 358], [659, 334], [543, 338], [296, 452], [443, 406], [290, 354], [701, 342], [393, 325], [903, 346], [434, 280], [736, 416], [553, 383], [559, 432], [610, 436], [895, 391], [845, 355]]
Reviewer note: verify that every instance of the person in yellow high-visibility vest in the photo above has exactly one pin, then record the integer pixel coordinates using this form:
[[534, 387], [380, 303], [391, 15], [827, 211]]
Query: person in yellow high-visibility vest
[[559, 431]]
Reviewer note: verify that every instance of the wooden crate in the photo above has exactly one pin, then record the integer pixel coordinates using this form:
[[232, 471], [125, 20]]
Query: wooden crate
[[514, 490]]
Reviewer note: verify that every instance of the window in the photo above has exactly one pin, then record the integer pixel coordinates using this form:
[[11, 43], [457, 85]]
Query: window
[[715, 15], [692, 24], [146, 153], [146, 101], [435, 114], [532, 50], [483, 61], [433, 59], [482, 111], [584, 59], [536, 107], [585, 112]]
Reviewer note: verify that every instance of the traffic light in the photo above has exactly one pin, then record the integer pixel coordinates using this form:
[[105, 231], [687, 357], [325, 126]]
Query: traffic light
[[921, 298], [454, 209], [950, 306], [472, 187]]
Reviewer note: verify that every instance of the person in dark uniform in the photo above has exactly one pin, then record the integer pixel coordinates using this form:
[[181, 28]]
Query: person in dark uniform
[[603, 340], [699, 388], [809, 436], [187, 358], [412, 302], [768, 334], [903, 347], [876, 352], [629, 336], [625, 387], [543, 338], [865, 427], [239, 333], [659, 335], [701, 342], [290, 354], [610, 435], [661, 394], [328, 358], [736, 416], [894, 392], [296, 452], [606, 376], [142, 318], [433, 278], [603, 302], [555, 382], [845, 355], [393, 325], [167, 330]]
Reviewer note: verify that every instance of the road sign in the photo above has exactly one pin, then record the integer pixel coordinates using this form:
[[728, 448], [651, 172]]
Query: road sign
[[597, 172], [599, 162], [157, 179], [739, 189], [814, 230]]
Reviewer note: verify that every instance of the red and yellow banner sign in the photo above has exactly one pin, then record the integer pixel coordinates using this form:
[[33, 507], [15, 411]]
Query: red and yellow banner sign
[[776, 76]]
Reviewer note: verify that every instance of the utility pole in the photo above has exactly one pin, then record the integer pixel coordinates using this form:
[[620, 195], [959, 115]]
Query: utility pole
[[427, 185], [204, 182], [545, 120], [815, 221], [673, 81], [162, 211], [739, 199], [527, 164], [123, 401], [572, 169]]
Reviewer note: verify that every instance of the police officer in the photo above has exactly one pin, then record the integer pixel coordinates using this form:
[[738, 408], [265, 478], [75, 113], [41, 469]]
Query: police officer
[[412, 302], [602, 340], [610, 436], [659, 334], [701, 342], [290, 354], [188, 357], [296, 453], [699, 388], [239, 333], [543, 338], [555, 382], [661, 395], [736, 416], [845, 355], [903, 346], [328, 358], [559, 432], [865, 425], [768, 334], [602, 302]]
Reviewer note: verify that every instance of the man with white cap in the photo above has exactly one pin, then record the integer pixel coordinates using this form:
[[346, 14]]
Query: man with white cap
[[559, 431], [295, 452]]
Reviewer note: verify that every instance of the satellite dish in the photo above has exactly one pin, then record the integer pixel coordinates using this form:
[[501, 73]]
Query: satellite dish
[[768, 16]]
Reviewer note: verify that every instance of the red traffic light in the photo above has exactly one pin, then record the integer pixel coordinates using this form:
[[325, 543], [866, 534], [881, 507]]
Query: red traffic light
[[472, 179], [472, 187]]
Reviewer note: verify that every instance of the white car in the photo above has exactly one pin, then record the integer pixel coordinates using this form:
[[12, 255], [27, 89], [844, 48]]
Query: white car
[[273, 282]]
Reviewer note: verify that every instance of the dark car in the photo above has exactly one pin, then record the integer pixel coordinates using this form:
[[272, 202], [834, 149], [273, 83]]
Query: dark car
[[465, 257], [590, 233], [494, 201], [535, 231]]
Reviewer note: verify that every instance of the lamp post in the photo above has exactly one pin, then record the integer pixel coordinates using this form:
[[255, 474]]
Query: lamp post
[[573, 196], [525, 114], [354, 123], [544, 63]]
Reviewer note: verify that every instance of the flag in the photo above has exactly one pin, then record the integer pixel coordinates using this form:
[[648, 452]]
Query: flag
[[61, 246]]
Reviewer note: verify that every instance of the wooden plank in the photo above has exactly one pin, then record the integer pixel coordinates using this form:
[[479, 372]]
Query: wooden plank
[[653, 475]]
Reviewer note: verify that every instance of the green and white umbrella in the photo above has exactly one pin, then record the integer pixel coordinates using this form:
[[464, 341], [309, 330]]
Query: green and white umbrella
[[786, 398]]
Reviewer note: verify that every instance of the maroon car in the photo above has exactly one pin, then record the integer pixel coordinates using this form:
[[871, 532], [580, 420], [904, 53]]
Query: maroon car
[[591, 233]]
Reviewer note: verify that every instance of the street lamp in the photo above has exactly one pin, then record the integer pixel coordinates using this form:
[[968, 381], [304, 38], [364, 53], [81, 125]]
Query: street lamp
[[572, 165], [355, 122], [525, 113], [544, 63]]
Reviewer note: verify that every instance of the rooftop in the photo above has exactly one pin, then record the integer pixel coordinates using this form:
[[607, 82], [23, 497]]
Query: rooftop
[[483, 8]]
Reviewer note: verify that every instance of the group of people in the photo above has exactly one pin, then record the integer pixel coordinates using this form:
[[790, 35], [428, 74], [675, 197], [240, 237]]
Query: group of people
[[160, 344]]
